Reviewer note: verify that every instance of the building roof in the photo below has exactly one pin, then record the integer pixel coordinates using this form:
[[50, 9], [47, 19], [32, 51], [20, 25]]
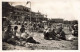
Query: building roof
[[22, 7]]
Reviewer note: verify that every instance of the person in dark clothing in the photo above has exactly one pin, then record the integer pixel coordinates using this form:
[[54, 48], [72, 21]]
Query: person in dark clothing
[[8, 36], [60, 34], [31, 40], [75, 30], [51, 35], [15, 32], [22, 29], [48, 35]]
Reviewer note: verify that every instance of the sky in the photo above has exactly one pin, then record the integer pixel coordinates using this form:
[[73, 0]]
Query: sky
[[65, 9]]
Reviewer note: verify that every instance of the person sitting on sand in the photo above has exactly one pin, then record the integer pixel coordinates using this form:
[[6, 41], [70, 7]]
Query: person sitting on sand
[[60, 34], [25, 36], [8, 36], [75, 30], [15, 33]]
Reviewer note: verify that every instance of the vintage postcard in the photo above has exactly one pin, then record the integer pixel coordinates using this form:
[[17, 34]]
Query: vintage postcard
[[40, 24]]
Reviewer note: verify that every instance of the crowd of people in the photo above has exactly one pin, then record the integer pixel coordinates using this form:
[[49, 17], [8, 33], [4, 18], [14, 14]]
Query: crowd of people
[[10, 36], [58, 33], [55, 33]]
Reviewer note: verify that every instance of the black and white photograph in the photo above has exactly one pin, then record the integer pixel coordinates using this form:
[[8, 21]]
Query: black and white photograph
[[40, 25]]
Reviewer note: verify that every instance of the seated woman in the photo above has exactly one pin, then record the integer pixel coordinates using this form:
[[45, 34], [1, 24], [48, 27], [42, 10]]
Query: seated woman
[[25, 36], [15, 33], [60, 34], [49, 34], [8, 36]]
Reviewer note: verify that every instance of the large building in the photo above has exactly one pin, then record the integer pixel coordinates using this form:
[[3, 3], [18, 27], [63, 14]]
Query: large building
[[56, 20], [6, 9], [70, 22], [21, 13]]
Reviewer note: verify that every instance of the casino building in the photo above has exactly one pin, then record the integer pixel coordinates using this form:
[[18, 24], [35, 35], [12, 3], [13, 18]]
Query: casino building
[[21, 13]]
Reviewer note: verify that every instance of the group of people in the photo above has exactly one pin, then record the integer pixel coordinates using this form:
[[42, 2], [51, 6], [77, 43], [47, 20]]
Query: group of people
[[36, 27], [57, 33], [10, 36]]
